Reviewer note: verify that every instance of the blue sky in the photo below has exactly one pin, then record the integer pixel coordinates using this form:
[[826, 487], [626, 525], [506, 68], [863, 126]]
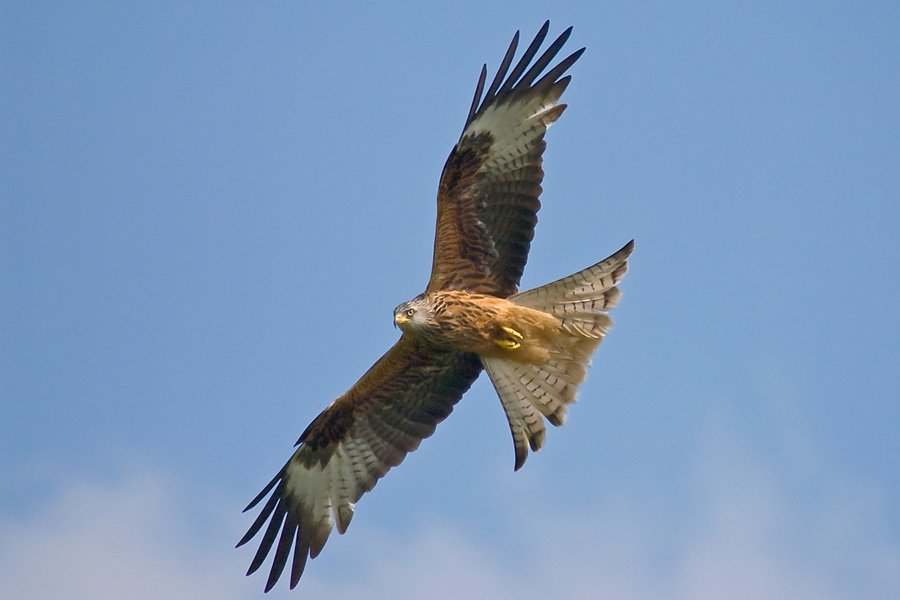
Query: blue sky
[[209, 211]]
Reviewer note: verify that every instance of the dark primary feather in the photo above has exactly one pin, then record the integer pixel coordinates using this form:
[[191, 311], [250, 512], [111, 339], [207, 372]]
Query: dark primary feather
[[498, 79], [548, 55], [527, 56], [489, 190], [397, 403]]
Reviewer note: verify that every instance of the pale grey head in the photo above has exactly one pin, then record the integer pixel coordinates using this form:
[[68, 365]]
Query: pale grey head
[[416, 314]]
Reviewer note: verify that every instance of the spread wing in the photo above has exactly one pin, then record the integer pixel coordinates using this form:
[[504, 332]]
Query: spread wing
[[352, 444], [489, 189]]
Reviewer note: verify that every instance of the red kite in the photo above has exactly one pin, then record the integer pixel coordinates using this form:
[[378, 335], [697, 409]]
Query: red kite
[[534, 345]]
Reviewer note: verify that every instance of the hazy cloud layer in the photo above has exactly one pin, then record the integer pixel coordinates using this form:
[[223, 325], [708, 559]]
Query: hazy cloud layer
[[136, 539], [127, 539], [745, 539]]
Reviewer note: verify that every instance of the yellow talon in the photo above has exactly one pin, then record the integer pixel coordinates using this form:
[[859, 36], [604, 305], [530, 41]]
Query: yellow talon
[[512, 342], [512, 332], [508, 344]]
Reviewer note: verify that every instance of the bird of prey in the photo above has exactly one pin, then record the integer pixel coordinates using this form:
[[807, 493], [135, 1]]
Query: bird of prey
[[535, 345]]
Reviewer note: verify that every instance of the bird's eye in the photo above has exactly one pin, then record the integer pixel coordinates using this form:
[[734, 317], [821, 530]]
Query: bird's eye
[[410, 312]]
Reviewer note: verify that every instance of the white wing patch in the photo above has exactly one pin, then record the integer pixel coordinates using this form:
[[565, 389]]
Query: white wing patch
[[516, 129], [326, 495]]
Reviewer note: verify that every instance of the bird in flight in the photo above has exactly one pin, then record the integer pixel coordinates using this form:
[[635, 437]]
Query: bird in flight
[[535, 345]]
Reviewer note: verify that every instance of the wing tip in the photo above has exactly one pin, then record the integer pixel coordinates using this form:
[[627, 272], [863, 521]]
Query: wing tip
[[520, 462], [517, 80]]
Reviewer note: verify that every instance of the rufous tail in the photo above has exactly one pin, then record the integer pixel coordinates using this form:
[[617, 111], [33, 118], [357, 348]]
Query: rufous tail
[[530, 392]]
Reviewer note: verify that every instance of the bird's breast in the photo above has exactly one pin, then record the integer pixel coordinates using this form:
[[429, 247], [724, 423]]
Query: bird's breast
[[488, 326]]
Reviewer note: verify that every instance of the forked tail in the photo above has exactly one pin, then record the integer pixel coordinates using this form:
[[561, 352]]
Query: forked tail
[[530, 392]]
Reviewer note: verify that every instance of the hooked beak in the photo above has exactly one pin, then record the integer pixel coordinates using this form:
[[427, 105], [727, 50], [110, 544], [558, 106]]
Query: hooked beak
[[400, 319]]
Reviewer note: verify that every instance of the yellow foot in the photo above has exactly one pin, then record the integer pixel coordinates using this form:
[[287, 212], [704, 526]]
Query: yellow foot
[[512, 342]]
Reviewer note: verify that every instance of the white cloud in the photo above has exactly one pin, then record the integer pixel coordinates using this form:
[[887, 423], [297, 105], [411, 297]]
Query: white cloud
[[762, 537], [124, 540], [746, 537]]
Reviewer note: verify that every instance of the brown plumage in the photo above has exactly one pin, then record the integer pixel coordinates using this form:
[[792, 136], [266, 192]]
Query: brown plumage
[[535, 345]]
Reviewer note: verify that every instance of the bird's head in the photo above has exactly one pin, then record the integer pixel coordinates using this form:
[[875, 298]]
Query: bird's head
[[412, 315]]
